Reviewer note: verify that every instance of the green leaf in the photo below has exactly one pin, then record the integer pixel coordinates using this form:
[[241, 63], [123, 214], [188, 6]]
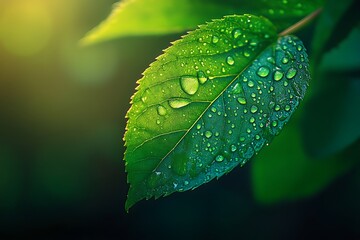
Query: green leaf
[[334, 24], [284, 172], [332, 116], [209, 103], [151, 17]]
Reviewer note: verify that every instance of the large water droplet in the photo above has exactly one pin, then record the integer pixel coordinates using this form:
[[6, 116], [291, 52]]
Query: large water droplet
[[278, 75], [291, 73], [189, 84], [263, 71], [179, 102], [161, 110], [230, 60]]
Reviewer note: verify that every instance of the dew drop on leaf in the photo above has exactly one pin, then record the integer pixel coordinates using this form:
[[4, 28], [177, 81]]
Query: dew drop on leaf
[[189, 84], [291, 73], [230, 60], [179, 102], [263, 71], [278, 75], [161, 110]]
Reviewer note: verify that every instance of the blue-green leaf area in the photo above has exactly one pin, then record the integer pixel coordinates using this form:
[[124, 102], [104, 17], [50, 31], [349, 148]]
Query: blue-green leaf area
[[209, 103]]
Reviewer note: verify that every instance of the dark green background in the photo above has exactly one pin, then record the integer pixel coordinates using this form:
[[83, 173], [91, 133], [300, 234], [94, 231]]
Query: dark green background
[[62, 176]]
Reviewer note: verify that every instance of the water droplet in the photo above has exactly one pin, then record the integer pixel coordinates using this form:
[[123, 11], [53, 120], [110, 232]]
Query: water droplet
[[161, 110], [242, 139], [291, 73], [257, 136], [208, 134], [230, 60], [179, 102], [237, 33], [246, 54], [271, 60], [278, 75], [274, 123], [252, 120], [213, 109], [237, 89], [277, 107], [241, 100], [158, 122], [299, 48], [219, 158], [198, 126], [233, 148], [215, 39], [285, 60], [201, 76], [253, 109], [263, 71], [189, 84], [287, 108], [251, 84]]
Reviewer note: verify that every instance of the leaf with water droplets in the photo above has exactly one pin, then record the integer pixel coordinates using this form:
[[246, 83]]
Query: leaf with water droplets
[[205, 106]]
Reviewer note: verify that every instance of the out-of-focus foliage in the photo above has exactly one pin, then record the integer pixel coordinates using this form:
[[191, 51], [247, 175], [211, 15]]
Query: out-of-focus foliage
[[284, 171], [151, 17]]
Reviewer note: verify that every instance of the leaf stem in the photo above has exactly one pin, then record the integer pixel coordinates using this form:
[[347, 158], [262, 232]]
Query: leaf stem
[[300, 24]]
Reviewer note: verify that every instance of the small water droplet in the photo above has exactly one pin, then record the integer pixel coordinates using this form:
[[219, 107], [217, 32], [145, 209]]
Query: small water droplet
[[252, 120], [242, 139], [285, 60], [251, 84], [287, 108], [246, 54], [291, 73], [179, 102], [241, 100], [158, 122], [219, 158], [278, 75], [202, 77], [233, 148], [253, 109], [263, 71], [215, 39], [230, 60], [274, 123], [277, 107], [271, 60], [198, 126], [299, 48], [161, 110], [189, 84], [237, 33]]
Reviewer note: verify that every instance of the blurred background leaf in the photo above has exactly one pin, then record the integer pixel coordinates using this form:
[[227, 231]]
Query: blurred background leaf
[[332, 116], [151, 17], [333, 25], [287, 173]]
